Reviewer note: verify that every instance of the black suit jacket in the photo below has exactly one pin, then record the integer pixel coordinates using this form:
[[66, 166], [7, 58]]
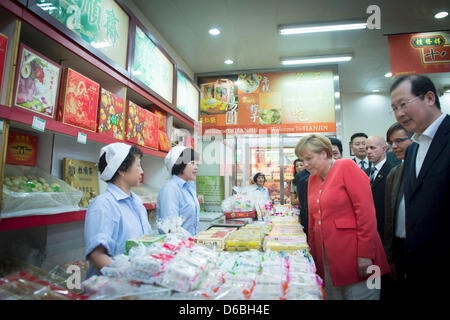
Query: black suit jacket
[[394, 194], [301, 182], [427, 203], [379, 193]]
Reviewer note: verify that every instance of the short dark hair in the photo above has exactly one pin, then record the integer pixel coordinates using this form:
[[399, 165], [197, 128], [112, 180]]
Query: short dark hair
[[395, 127], [420, 85], [134, 153], [185, 157], [358, 134], [336, 142], [255, 177]]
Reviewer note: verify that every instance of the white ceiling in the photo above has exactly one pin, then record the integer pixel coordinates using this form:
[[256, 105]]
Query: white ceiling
[[250, 38]]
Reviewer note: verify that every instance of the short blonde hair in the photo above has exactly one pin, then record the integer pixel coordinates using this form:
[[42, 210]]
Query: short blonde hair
[[315, 143]]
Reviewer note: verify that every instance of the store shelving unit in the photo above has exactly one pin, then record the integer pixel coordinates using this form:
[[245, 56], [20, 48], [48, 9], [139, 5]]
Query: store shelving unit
[[28, 24]]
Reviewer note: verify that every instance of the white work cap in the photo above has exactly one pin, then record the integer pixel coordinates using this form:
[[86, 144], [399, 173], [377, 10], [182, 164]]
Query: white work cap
[[173, 156], [115, 155]]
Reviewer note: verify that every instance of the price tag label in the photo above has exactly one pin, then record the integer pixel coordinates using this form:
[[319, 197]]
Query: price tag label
[[82, 137], [38, 124]]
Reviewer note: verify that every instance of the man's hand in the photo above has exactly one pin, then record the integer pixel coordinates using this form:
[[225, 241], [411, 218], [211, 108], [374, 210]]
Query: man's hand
[[363, 264]]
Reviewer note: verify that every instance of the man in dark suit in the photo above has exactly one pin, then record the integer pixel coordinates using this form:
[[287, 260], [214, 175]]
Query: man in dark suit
[[376, 153], [426, 185], [301, 182], [394, 213], [358, 147]]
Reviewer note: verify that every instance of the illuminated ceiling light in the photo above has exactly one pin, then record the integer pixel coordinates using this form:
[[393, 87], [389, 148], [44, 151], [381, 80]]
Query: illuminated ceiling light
[[441, 15], [388, 75], [228, 61], [336, 77], [311, 28], [316, 60], [214, 32], [376, 90]]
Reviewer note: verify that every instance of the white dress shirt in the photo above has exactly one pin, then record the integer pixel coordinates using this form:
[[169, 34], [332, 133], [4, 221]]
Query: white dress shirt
[[400, 228], [424, 141]]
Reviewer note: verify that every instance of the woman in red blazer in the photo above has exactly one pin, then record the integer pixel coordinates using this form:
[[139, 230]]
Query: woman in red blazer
[[342, 225]]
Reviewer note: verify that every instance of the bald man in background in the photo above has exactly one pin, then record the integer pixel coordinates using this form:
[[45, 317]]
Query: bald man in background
[[378, 172]]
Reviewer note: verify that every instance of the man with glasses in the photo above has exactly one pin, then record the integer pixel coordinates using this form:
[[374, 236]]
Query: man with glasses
[[426, 185], [394, 214]]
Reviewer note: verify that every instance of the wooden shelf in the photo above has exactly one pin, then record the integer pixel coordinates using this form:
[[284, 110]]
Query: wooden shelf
[[50, 219], [26, 117]]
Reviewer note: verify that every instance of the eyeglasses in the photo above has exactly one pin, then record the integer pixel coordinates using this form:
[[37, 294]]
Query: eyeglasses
[[402, 105], [398, 141]]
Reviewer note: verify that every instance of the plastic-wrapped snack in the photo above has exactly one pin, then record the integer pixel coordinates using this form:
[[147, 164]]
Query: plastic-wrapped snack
[[266, 291], [118, 268], [179, 275], [143, 268], [210, 283], [173, 225], [146, 240], [142, 292]]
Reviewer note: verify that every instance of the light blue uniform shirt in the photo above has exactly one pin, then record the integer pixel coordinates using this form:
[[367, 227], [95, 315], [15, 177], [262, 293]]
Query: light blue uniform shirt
[[264, 190], [112, 218], [179, 198]]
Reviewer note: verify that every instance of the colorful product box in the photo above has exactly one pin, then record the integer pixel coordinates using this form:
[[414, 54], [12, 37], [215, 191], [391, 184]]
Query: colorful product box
[[142, 126], [22, 149], [79, 100], [162, 119], [111, 117], [37, 82], [238, 215], [164, 143]]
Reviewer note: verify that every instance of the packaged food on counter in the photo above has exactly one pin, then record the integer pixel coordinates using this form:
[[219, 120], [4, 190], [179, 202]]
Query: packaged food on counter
[[25, 286], [214, 237], [246, 203], [145, 240], [32, 191], [246, 238]]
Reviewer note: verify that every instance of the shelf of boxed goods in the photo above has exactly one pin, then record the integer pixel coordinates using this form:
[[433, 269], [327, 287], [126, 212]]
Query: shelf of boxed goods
[[26, 117], [45, 220]]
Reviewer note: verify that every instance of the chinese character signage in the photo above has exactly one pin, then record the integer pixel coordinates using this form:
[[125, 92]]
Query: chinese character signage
[[22, 149], [37, 82], [79, 100], [3, 49], [258, 103], [101, 23], [187, 96], [83, 176], [419, 53], [152, 67]]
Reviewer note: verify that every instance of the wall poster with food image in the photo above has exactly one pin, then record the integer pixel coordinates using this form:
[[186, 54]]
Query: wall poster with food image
[[37, 82], [262, 103]]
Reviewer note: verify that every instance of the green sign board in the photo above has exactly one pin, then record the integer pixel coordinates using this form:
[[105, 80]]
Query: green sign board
[[102, 23], [187, 97], [152, 67], [212, 188]]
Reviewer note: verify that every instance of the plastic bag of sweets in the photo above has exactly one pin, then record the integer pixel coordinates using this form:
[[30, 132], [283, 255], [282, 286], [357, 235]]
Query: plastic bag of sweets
[[179, 275]]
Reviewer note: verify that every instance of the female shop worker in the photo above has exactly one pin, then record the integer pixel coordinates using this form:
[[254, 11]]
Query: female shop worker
[[342, 230], [117, 214], [178, 197], [259, 179]]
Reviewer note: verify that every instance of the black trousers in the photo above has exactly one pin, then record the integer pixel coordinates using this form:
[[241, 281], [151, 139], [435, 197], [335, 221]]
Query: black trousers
[[395, 289]]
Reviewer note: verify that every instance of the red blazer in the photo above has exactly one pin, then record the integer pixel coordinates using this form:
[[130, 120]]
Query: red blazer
[[342, 219]]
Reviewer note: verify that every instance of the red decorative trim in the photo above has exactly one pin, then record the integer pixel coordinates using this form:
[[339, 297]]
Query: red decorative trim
[[41, 220]]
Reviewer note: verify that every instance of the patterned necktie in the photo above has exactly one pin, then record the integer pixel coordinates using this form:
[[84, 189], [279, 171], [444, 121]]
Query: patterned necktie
[[362, 164], [373, 174]]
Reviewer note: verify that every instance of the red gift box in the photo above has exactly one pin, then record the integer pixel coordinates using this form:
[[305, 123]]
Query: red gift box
[[238, 215], [22, 149], [111, 115], [3, 49], [164, 143], [162, 119], [142, 126], [79, 100]]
